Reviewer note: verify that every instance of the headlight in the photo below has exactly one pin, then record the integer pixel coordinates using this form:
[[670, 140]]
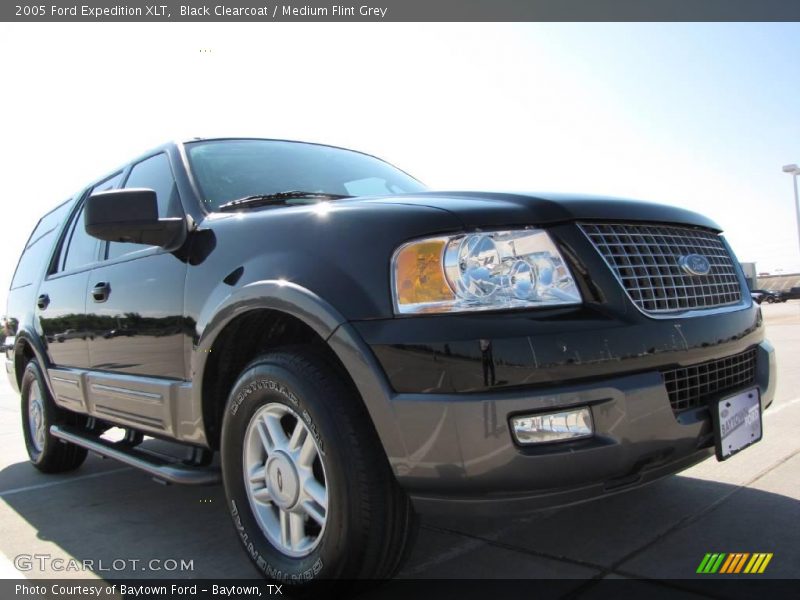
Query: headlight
[[481, 271]]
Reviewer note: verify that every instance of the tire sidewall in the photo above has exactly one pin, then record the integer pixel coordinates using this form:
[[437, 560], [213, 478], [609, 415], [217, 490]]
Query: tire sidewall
[[261, 384], [33, 376]]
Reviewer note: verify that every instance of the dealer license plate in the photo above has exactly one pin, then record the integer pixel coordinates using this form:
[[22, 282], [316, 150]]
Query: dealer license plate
[[737, 423]]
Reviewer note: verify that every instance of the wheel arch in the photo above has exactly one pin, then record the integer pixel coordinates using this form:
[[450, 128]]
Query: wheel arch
[[26, 348], [274, 313]]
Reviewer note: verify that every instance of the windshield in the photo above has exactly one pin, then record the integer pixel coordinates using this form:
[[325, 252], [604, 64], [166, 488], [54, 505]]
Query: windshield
[[227, 170]]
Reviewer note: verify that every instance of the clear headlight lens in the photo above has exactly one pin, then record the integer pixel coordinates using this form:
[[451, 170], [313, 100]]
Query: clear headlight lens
[[481, 271]]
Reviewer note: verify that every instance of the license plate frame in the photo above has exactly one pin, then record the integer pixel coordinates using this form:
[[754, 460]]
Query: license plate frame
[[738, 422]]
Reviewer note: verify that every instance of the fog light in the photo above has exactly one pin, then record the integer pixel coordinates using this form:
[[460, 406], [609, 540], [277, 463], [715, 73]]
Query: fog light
[[553, 427]]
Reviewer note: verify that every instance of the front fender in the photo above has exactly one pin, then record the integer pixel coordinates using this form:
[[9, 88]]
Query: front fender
[[328, 323]]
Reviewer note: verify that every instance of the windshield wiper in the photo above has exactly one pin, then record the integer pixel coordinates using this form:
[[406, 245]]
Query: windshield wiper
[[277, 198]]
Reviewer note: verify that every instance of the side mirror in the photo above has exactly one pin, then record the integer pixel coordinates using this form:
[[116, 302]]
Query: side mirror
[[131, 215]]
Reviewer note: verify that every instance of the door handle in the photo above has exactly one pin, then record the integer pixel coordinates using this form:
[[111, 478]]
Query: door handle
[[43, 301], [101, 291]]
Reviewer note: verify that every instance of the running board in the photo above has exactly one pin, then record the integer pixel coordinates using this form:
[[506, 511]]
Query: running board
[[161, 469]]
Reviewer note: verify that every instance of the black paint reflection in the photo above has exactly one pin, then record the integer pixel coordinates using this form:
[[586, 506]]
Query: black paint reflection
[[63, 321], [552, 358], [487, 362]]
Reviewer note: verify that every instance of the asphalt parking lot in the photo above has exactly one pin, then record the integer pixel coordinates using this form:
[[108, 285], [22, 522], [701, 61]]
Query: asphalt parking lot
[[750, 503]]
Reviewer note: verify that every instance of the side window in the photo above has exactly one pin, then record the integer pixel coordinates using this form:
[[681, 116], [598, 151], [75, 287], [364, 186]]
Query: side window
[[155, 174], [37, 251], [109, 184], [78, 247]]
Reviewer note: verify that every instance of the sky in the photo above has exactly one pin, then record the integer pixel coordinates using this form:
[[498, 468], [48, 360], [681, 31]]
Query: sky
[[696, 115]]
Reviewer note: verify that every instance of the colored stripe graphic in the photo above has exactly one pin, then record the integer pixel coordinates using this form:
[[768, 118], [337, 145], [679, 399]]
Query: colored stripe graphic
[[734, 562], [703, 563], [728, 564], [757, 564], [711, 563], [741, 562], [715, 567], [756, 558], [764, 564]]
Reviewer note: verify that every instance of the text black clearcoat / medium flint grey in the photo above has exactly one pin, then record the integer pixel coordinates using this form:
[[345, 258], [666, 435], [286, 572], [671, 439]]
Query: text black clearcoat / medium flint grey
[[156, 337]]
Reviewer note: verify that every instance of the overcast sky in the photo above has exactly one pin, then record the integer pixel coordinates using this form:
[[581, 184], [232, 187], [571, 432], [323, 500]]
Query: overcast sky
[[698, 115]]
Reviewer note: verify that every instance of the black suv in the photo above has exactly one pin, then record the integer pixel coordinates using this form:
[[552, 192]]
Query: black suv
[[769, 296], [359, 349]]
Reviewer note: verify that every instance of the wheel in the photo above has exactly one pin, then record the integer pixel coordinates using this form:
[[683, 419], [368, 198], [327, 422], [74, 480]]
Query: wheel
[[39, 411], [307, 483], [770, 299]]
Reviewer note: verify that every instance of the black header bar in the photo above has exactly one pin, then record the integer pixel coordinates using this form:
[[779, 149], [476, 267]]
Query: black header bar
[[401, 10]]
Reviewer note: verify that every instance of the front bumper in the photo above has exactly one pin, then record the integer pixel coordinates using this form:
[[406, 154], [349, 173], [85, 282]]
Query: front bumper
[[456, 451], [462, 457]]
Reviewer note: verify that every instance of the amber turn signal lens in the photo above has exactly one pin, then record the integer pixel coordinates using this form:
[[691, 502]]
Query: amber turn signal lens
[[419, 274]]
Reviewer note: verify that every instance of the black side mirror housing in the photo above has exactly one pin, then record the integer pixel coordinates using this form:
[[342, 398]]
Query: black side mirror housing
[[131, 215]]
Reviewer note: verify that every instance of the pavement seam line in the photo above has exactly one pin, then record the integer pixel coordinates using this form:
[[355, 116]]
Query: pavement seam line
[[452, 553], [601, 570], [615, 567], [664, 583], [48, 484], [517, 549]]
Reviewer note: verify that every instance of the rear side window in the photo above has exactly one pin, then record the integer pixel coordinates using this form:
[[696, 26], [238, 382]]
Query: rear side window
[[36, 255], [155, 174]]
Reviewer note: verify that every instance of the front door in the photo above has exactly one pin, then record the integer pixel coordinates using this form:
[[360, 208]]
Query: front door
[[135, 294]]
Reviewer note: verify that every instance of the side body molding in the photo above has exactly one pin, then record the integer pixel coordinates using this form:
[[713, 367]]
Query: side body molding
[[328, 323]]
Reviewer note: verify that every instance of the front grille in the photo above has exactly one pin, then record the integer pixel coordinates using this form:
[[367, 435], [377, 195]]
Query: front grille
[[693, 386], [645, 260]]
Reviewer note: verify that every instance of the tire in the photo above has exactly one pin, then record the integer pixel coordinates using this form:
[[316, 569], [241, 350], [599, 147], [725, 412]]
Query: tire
[[770, 300], [353, 521], [39, 411]]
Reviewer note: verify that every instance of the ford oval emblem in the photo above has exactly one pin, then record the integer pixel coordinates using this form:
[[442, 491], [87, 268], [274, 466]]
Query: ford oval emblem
[[695, 264]]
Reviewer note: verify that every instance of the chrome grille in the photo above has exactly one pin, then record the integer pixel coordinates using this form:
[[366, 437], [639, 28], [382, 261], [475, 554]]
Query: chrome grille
[[693, 386], [645, 258]]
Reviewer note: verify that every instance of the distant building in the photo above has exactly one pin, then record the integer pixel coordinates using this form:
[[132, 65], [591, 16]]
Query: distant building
[[781, 283], [749, 269]]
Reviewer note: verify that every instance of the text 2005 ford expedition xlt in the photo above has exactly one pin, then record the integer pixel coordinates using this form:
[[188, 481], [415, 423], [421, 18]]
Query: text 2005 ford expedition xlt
[[359, 349]]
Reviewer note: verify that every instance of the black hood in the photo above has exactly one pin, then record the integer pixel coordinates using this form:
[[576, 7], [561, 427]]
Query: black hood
[[495, 209]]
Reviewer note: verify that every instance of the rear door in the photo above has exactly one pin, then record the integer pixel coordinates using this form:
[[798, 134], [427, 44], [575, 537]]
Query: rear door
[[61, 306], [22, 317], [61, 300]]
